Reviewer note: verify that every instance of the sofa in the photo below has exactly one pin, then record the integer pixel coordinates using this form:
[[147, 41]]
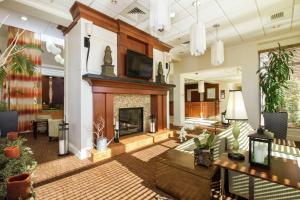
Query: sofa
[[238, 183]]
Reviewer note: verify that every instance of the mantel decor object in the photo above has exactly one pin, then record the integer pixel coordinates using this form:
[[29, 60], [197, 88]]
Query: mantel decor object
[[107, 67], [260, 145], [160, 78]]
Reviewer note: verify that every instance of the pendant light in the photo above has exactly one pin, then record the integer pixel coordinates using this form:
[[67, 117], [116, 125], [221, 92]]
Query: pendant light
[[159, 16], [217, 49], [197, 35], [201, 87]]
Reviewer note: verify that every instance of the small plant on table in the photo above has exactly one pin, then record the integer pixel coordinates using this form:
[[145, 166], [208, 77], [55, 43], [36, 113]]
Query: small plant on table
[[203, 150]]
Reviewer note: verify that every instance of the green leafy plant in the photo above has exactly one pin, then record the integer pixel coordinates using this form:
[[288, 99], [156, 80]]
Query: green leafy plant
[[3, 106], [207, 144], [18, 62], [273, 78], [10, 166]]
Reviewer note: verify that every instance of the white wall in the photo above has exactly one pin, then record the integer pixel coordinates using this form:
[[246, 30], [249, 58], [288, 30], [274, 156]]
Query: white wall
[[79, 101], [244, 56]]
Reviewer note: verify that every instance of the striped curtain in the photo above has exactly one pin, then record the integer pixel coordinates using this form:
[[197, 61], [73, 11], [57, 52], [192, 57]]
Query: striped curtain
[[23, 92]]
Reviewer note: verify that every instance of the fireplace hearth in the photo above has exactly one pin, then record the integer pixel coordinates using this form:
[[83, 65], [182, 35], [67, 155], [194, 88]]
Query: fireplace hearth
[[131, 120]]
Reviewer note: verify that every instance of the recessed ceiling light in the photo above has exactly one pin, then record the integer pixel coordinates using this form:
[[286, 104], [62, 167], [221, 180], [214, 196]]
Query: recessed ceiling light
[[24, 18], [172, 14]]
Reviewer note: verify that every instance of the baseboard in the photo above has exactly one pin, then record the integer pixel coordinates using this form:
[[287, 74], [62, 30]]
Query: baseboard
[[81, 154]]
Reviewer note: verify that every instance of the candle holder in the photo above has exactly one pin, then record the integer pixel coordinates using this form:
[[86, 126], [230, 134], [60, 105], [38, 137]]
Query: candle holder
[[116, 135]]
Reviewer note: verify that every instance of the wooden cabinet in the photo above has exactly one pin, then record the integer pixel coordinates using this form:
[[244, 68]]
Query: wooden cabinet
[[205, 109]]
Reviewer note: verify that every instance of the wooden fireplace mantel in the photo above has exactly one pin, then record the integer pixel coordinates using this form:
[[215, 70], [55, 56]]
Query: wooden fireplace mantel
[[104, 88], [116, 85]]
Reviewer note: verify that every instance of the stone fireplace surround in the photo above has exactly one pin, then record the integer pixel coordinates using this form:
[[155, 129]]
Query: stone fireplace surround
[[133, 101], [127, 92]]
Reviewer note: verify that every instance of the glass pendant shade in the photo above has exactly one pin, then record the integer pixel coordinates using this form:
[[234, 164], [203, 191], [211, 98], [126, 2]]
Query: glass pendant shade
[[197, 39], [159, 16], [201, 88], [217, 52]]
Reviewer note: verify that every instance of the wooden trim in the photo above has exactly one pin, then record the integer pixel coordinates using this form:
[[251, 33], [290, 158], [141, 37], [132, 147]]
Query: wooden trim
[[79, 10], [109, 120], [273, 49]]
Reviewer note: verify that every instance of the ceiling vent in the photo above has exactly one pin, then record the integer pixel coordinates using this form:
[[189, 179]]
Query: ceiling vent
[[277, 16], [135, 12]]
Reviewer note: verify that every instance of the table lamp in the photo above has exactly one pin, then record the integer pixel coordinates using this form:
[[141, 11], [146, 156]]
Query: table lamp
[[236, 111]]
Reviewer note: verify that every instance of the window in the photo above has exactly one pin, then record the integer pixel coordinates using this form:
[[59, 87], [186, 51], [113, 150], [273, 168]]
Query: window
[[292, 93]]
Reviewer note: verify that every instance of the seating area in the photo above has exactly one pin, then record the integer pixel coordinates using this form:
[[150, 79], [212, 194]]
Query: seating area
[[150, 99]]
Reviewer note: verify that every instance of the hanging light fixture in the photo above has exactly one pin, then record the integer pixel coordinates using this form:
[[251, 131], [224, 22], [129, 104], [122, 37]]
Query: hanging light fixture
[[201, 87], [159, 16], [197, 35], [217, 49]]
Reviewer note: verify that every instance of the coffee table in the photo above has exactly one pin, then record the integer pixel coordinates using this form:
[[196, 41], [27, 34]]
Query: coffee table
[[177, 175], [283, 171]]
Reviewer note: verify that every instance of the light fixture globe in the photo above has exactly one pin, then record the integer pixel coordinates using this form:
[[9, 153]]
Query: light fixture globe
[[159, 16], [217, 52], [197, 39]]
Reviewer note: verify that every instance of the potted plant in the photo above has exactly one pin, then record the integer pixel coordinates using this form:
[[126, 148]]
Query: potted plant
[[15, 174], [101, 140], [203, 151], [13, 60], [273, 79]]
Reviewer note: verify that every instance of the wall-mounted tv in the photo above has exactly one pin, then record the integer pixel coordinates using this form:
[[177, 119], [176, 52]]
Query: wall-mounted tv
[[138, 65]]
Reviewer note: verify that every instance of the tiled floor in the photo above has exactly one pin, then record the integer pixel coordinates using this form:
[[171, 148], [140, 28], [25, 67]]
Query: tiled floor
[[128, 176]]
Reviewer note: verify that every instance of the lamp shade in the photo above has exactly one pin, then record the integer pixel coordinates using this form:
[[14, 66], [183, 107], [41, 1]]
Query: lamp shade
[[217, 52], [201, 87], [159, 16], [236, 109], [197, 39]]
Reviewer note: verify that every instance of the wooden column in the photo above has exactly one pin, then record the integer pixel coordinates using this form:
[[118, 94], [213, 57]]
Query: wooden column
[[158, 108], [99, 108], [109, 127]]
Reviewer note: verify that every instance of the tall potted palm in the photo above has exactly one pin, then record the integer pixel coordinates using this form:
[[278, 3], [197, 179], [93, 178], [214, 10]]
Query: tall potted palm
[[273, 79]]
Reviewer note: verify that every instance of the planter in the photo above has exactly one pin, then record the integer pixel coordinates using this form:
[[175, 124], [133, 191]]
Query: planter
[[102, 144], [12, 152], [19, 187], [12, 136], [276, 123], [8, 122], [203, 157]]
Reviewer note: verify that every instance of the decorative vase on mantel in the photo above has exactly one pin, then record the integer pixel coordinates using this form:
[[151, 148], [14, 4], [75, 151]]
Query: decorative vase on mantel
[[19, 187]]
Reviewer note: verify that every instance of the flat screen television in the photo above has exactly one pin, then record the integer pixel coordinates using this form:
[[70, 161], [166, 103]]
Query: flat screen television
[[138, 65]]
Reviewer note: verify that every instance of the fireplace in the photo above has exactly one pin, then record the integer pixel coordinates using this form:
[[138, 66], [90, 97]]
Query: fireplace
[[131, 120]]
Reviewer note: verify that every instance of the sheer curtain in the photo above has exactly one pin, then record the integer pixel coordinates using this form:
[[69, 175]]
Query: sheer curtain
[[23, 92]]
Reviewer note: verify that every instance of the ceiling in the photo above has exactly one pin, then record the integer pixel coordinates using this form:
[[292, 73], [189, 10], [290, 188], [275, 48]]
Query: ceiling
[[240, 21], [221, 74]]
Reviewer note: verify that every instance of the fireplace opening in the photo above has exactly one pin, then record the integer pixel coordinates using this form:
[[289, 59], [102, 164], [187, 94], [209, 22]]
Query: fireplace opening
[[131, 120]]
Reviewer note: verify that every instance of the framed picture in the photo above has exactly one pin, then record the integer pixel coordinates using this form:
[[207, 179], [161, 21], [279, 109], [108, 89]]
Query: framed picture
[[211, 93], [222, 94]]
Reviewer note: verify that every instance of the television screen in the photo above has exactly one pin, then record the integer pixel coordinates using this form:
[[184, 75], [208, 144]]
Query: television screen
[[138, 65]]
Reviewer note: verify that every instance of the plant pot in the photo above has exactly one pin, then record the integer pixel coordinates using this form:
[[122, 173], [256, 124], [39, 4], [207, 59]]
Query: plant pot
[[102, 144], [203, 157], [12, 136], [12, 152], [8, 122], [19, 187], [277, 123]]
